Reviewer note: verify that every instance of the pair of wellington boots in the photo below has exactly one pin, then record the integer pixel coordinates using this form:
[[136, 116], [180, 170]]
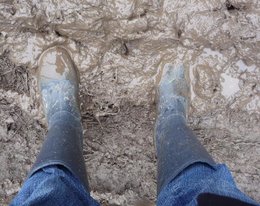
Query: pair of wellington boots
[[58, 80]]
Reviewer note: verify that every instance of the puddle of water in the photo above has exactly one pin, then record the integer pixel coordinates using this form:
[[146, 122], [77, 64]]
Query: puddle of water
[[244, 68], [230, 85]]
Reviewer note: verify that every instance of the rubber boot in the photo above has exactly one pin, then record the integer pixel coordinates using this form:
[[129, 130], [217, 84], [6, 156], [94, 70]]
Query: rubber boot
[[58, 84], [177, 146]]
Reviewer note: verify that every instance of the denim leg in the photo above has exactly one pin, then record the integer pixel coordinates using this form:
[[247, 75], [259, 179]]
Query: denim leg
[[200, 178], [53, 185]]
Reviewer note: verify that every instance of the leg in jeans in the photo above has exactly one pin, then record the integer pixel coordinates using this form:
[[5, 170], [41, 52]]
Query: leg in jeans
[[58, 176], [187, 175], [53, 185]]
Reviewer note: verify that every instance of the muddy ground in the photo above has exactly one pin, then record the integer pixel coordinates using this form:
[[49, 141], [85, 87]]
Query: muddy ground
[[119, 47]]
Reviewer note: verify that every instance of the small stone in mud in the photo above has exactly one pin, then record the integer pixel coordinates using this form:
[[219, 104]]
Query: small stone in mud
[[230, 6]]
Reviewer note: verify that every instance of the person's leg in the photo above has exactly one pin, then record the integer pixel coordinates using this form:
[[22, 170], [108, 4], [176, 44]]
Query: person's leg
[[59, 169], [186, 172], [200, 184], [53, 185]]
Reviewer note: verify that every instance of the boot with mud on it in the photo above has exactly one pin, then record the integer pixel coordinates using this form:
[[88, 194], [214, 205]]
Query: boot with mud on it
[[177, 147], [58, 83]]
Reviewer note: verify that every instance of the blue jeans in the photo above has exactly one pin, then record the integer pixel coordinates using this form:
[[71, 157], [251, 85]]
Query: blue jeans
[[55, 185]]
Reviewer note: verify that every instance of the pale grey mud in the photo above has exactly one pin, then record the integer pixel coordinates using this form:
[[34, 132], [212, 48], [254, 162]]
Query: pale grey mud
[[119, 48]]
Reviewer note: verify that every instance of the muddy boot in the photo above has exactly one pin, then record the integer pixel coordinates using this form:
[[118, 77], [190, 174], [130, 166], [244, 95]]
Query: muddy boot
[[58, 84], [177, 146]]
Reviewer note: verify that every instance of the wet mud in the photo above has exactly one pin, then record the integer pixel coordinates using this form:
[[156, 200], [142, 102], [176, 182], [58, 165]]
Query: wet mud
[[119, 48]]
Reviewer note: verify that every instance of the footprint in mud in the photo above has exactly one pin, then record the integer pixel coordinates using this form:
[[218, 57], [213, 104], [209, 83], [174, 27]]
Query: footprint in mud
[[206, 81]]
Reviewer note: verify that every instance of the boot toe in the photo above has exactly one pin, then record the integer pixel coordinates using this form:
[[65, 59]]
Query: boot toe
[[173, 82], [56, 64]]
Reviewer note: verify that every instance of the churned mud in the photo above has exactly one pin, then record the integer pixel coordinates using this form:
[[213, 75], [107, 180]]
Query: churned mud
[[119, 48]]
